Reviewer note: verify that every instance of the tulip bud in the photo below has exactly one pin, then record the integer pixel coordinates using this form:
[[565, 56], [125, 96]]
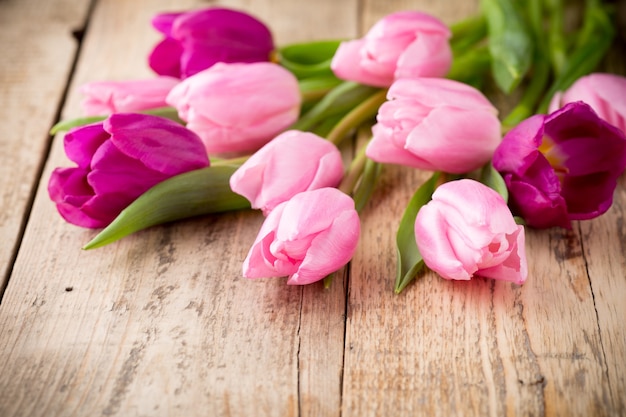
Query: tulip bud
[[237, 107], [306, 238], [467, 230], [401, 45], [435, 124], [118, 160], [199, 39], [107, 97], [291, 163]]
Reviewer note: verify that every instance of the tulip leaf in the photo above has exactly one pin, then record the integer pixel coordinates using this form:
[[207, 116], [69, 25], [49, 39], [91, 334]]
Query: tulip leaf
[[410, 259], [492, 179], [595, 38], [338, 101], [193, 193], [510, 44], [65, 125], [308, 59]]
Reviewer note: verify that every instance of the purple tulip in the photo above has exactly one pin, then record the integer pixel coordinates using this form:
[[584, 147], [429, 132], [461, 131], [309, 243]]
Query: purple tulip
[[196, 40], [561, 167], [118, 160]]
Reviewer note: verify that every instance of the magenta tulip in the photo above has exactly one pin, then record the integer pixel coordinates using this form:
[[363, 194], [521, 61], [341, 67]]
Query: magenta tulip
[[467, 230], [238, 107], [197, 40], [107, 97], [291, 163], [605, 93], [118, 160], [435, 124], [561, 167], [306, 238], [401, 45]]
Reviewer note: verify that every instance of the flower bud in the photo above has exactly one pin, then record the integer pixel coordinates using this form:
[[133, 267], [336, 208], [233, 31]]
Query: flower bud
[[292, 162], [401, 45], [435, 124], [107, 97], [197, 40], [306, 238], [237, 107], [118, 160], [467, 230]]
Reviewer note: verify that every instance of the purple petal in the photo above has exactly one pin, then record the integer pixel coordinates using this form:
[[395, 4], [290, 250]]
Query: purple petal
[[160, 144]]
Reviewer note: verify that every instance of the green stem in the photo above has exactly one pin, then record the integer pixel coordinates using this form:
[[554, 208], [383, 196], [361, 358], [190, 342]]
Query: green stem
[[528, 103], [466, 33], [364, 111], [351, 178], [556, 35]]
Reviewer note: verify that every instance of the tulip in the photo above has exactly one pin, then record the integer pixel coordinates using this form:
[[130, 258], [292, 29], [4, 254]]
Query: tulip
[[306, 238], [401, 45], [561, 167], [605, 93], [106, 97], [291, 163], [467, 230], [118, 160], [237, 107], [197, 40], [435, 124]]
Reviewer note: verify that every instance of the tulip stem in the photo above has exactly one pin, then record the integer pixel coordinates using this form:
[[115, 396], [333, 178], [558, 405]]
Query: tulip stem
[[354, 172], [230, 162], [364, 111], [361, 178]]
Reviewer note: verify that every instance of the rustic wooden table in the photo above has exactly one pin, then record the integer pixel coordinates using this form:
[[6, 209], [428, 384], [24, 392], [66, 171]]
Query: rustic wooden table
[[162, 323]]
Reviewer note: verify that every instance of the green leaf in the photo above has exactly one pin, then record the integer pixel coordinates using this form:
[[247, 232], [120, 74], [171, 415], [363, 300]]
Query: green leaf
[[65, 125], [315, 88], [492, 179], [367, 184], [410, 259], [510, 44], [193, 193], [595, 38], [308, 59], [338, 101]]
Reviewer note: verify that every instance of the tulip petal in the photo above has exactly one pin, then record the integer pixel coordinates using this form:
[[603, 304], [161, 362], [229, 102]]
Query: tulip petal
[[145, 138], [329, 250]]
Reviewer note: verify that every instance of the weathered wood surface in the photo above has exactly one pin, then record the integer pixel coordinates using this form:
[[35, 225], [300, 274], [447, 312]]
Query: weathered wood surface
[[38, 51], [162, 324]]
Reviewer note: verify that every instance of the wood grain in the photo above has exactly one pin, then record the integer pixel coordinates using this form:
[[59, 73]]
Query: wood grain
[[162, 324], [38, 50]]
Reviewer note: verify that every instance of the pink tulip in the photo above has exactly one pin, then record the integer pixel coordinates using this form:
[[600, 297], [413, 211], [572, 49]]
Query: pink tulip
[[435, 124], [306, 238], [605, 93], [292, 162], [401, 45], [107, 97], [466, 230], [237, 107], [118, 160]]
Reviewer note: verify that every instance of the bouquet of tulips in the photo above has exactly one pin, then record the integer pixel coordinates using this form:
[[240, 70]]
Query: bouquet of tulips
[[231, 121]]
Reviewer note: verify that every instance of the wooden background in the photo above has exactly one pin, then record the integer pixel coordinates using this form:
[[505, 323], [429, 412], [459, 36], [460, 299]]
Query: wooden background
[[162, 324]]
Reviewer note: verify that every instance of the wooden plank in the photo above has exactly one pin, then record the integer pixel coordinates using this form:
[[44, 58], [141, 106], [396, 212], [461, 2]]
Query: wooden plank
[[161, 323], [37, 54], [484, 348]]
